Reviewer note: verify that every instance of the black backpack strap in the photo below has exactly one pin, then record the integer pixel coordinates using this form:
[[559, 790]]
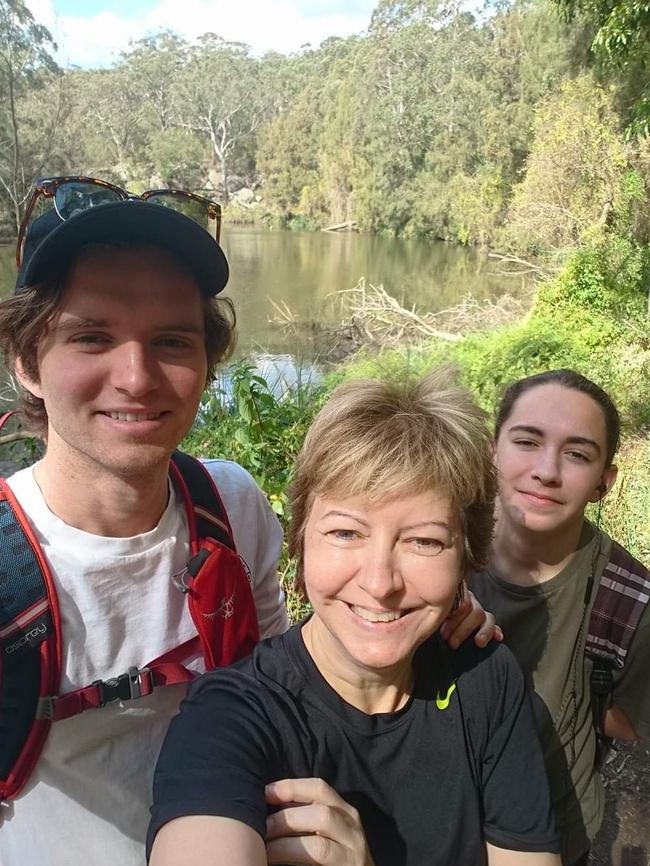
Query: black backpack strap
[[30, 661], [623, 593], [206, 512]]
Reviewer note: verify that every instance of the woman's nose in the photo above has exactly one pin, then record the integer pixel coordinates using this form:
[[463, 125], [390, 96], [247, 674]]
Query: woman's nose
[[379, 574]]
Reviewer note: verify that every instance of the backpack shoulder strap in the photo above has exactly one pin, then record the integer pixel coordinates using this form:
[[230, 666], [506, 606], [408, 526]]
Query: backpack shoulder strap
[[623, 593], [30, 645], [206, 513]]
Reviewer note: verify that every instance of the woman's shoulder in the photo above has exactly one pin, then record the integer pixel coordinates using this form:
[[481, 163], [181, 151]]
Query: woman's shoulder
[[484, 677], [495, 661]]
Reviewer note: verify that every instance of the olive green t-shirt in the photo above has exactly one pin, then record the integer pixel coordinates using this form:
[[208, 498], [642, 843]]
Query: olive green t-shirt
[[546, 626]]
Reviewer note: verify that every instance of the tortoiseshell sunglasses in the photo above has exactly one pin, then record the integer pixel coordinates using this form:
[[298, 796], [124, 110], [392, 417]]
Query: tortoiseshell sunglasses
[[69, 195]]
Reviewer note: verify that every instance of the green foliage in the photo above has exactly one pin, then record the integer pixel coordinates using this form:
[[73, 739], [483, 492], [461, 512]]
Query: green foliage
[[626, 507], [247, 423], [621, 41], [576, 172], [591, 318], [27, 71]]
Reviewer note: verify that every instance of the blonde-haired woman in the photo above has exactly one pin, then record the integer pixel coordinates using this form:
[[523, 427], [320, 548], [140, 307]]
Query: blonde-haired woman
[[358, 738]]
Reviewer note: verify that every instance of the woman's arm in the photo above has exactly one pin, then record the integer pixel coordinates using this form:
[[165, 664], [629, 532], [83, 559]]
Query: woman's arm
[[503, 857], [204, 840]]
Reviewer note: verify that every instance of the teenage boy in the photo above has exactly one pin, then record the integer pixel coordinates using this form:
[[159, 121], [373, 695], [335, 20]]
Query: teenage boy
[[113, 333]]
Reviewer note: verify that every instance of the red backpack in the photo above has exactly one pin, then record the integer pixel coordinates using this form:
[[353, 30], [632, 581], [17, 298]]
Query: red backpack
[[220, 601]]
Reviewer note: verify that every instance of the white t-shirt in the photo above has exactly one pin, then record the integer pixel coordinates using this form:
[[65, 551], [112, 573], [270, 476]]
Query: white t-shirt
[[87, 802]]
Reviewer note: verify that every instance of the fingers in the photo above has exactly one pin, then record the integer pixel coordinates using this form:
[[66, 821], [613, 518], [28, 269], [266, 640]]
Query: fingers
[[466, 619], [315, 826], [488, 631], [298, 850], [287, 791]]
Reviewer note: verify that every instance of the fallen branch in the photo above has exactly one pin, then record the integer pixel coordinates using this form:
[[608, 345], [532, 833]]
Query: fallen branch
[[339, 227], [8, 438]]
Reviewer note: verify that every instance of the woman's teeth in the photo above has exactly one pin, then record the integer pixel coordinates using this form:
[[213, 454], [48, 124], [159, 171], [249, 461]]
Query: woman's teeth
[[377, 615]]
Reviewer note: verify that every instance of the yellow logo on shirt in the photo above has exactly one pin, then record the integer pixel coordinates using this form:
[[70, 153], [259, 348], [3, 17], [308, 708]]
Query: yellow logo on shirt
[[443, 703]]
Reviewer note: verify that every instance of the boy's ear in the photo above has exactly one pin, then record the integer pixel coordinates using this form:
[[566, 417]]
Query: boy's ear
[[606, 483], [25, 380]]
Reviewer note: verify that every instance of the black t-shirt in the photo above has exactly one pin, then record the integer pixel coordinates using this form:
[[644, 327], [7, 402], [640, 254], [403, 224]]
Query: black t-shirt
[[459, 764]]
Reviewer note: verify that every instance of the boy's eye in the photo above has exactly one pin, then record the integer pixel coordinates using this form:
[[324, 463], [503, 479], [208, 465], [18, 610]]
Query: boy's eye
[[525, 443], [578, 455]]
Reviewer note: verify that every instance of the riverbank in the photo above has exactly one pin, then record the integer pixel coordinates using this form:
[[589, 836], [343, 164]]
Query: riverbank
[[592, 318]]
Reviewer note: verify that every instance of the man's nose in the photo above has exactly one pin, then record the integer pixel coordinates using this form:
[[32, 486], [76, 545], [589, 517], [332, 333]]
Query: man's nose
[[135, 370]]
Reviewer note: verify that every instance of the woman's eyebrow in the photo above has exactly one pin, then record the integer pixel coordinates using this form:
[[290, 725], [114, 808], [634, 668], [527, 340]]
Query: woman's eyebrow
[[336, 513], [441, 523]]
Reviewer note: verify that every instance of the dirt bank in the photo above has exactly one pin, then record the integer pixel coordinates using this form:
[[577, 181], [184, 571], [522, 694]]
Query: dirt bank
[[624, 839]]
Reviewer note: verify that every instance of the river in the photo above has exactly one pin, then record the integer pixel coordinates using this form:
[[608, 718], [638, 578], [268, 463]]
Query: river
[[300, 269]]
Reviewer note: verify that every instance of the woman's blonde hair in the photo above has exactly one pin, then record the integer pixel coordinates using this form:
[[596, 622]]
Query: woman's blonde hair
[[383, 439]]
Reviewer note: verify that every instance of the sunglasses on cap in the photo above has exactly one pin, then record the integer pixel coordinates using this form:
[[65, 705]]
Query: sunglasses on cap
[[69, 196]]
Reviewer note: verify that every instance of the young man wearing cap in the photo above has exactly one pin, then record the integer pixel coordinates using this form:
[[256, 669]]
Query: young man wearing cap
[[113, 334]]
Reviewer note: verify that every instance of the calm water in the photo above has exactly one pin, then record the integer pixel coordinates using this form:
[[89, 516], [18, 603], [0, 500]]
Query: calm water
[[301, 269]]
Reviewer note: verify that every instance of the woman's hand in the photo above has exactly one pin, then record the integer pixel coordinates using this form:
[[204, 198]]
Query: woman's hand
[[314, 826], [469, 616]]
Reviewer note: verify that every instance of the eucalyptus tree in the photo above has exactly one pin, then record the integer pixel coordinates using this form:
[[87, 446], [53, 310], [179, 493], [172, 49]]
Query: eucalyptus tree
[[26, 69], [109, 109], [218, 96], [575, 172], [622, 41]]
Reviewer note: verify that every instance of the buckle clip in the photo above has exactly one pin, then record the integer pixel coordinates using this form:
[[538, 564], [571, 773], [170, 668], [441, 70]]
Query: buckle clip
[[125, 687]]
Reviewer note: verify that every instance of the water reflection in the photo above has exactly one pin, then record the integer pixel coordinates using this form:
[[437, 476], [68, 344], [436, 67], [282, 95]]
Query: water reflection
[[282, 373], [303, 269]]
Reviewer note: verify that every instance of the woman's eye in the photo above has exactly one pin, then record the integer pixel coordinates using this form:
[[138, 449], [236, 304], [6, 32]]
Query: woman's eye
[[427, 545], [343, 534]]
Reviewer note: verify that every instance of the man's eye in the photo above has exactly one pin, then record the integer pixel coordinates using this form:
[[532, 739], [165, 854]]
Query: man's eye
[[173, 342], [90, 339]]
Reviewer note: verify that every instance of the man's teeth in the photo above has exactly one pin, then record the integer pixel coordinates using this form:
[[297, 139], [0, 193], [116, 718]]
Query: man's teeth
[[134, 416], [377, 615]]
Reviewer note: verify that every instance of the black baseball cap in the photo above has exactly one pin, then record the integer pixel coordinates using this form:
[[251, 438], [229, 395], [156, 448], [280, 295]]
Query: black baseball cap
[[49, 240]]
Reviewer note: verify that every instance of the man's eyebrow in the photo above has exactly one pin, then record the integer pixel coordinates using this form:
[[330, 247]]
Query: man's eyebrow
[[74, 323], [570, 440]]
